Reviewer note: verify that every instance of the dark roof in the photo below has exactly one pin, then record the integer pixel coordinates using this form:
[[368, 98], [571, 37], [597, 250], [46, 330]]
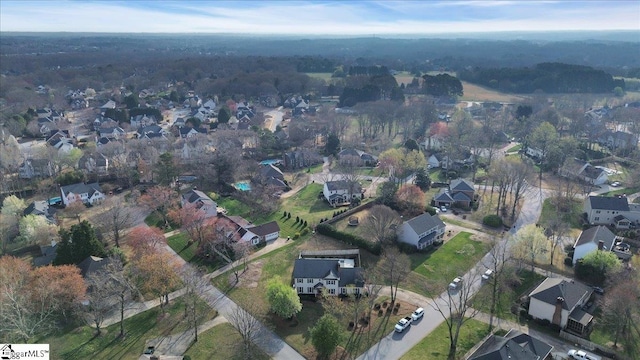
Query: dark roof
[[349, 276], [270, 171], [553, 288], [81, 188], [461, 185], [443, 196], [609, 203], [513, 346], [314, 268], [424, 223], [595, 234], [460, 196], [342, 185], [92, 264], [324, 253], [265, 229], [581, 316], [39, 208], [48, 255], [195, 196], [592, 172]]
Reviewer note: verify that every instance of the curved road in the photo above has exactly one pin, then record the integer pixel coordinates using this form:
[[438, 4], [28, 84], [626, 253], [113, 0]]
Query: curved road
[[394, 345]]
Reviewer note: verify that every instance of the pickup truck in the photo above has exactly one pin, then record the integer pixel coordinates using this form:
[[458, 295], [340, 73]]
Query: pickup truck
[[403, 324], [582, 355]]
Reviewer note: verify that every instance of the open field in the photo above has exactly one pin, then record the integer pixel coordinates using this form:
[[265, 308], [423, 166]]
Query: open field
[[81, 343], [435, 346], [478, 93]]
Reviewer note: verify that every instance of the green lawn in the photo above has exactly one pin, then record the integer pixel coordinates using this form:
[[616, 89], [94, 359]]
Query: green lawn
[[514, 148], [154, 219], [221, 342], [437, 267], [507, 298], [435, 346], [180, 244], [571, 214], [81, 343]]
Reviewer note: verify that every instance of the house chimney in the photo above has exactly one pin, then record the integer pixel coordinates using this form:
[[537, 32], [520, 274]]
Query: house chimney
[[600, 245], [557, 313]]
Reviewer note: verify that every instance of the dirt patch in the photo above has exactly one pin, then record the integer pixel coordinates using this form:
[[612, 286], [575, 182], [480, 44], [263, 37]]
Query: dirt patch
[[249, 278]]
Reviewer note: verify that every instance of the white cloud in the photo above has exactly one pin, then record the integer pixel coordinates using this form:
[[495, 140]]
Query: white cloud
[[323, 18]]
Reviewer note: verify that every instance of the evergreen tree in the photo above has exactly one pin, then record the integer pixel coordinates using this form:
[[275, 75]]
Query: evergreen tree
[[78, 243], [422, 179]]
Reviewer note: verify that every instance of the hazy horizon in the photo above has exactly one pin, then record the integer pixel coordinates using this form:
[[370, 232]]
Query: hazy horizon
[[327, 19]]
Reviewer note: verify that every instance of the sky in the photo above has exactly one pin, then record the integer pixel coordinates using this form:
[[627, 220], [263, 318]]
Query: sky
[[337, 18]]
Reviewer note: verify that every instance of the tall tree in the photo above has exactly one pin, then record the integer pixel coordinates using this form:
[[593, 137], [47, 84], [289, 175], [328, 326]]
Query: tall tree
[[77, 244], [195, 285], [10, 214], [380, 224], [411, 200], [248, 326], [283, 300], [36, 229], [497, 262], [325, 336], [530, 244], [144, 239], [166, 169], [157, 274], [544, 138], [422, 179], [116, 219], [455, 308], [396, 266], [159, 199]]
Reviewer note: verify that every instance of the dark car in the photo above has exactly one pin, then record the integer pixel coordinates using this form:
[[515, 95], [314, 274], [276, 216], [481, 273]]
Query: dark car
[[149, 350], [598, 290]]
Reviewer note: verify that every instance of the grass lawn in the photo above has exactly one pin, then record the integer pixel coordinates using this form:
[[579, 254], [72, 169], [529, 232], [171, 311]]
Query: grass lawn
[[572, 217], [221, 342], [627, 191], [438, 267], [514, 148], [81, 343], [435, 346], [154, 219], [180, 244], [507, 298]]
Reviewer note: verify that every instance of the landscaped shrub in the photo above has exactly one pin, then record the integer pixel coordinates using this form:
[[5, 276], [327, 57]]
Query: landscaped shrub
[[568, 261], [351, 239], [380, 312], [492, 220], [296, 235], [431, 210]]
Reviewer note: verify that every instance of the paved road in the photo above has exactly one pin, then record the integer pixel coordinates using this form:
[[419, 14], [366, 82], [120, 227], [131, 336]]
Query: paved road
[[394, 345]]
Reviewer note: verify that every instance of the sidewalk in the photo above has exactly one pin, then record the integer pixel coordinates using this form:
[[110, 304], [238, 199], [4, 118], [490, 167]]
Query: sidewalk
[[135, 308], [177, 344]]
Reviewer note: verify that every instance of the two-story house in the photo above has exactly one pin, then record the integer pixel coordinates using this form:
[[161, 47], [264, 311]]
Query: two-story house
[[512, 346], [35, 168], [583, 171], [85, 193], [333, 275], [560, 302], [421, 231], [341, 192], [611, 210], [201, 201], [460, 192]]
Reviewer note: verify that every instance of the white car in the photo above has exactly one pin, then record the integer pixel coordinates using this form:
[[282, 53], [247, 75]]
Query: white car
[[487, 274], [582, 355], [615, 184], [443, 208], [455, 283], [418, 314], [403, 324]]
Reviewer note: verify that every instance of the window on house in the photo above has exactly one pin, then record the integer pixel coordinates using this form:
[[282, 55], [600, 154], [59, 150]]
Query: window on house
[[300, 290], [597, 218], [299, 280], [309, 290], [332, 291], [343, 290], [597, 211], [309, 281], [331, 282]]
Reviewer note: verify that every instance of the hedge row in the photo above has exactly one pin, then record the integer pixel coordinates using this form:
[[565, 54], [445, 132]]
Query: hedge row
[[492, 220], [328, 230]]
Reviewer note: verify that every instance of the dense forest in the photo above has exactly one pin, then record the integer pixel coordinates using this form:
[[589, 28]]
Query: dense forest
[[551, 78]]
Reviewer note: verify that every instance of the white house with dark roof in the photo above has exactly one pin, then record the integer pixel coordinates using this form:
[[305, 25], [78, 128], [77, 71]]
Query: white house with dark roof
[[611, 210], [560, 301], [201, 201], [86, 193], [261, 233], [583, 171], [593, 239], [31, 168], [336, 276], [341, 192], [421, 231]]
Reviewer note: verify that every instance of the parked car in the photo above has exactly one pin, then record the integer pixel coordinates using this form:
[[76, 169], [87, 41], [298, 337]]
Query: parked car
[[455, 283], [403, 324], [598, 290], [487, 274], [418, 314], [443, 208], [149, 350], [615, 184], [582, 355]]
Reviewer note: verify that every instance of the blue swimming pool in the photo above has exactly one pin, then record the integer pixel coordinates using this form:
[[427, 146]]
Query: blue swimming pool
[[270, 161], [242, 186]]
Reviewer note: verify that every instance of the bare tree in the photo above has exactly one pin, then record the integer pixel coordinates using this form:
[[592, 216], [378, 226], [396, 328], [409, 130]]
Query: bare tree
[[455, 308], [116, 219], [497, 261], [519, 185], [119, 285], [248, 326], [396, 266], [380, 224], [195, 285], [101, 299]]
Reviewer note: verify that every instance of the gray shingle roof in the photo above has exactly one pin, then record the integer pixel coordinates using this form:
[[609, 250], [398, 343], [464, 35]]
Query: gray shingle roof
[[609, 203], [92, 264], [595, 234], [424, 222], [81, 188], [553, 288], [461, 185], [513, 346], [314, 268], [265, 229], [342, 185]]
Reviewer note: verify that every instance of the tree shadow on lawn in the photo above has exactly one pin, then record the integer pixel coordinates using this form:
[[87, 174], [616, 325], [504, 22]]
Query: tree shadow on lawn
[[320, 205]]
